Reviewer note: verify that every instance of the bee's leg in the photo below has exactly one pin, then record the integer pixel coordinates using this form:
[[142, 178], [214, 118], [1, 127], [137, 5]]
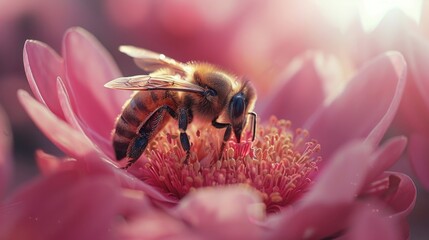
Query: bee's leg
[[183, 119], [145, 133], [226, 136]]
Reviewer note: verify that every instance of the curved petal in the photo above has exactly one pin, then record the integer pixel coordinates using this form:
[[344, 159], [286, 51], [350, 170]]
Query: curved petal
[[413, 114], [400, 74], [419, 157], [417, 54], [42, 66], [88, 68], [66, 205], [397, 190], [399, 32], [76, 145], [223, 212], [404, 198], [47, 163], [331, 197], [104, 144], [350, 164], [386, 156], [298, 95], [5, 152], [370, 221], [211, 213], [366, 106], [60, 133], [155, 224]]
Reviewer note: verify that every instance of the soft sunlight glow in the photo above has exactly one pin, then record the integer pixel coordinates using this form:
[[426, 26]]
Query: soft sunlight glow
[[371, 12]]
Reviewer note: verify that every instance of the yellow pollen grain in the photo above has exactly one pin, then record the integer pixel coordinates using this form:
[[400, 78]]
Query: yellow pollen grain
[[276, 197], [264, 196], [189, 179], [230, 153], [197, 166]]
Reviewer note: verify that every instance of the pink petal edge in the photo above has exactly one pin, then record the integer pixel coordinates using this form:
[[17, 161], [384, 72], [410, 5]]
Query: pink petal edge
[[47, 163], [400, 68], [42, 66], [331, 197], [230, 208], [200, 215], [385, 156], [89, 66], [104, 145], [366, 106], [404, 198], [396, 190], [297, 95], [60, 133], [76, 145], [371, 222]]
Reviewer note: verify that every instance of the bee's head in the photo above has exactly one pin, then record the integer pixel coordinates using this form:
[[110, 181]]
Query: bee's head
[[240, 105]]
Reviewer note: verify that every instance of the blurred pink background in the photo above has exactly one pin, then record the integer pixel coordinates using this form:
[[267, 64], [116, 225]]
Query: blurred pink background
[[261, 40]]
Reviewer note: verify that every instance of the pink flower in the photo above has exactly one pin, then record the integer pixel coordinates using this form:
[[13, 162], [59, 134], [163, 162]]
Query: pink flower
[[86, 195], [399, 32]]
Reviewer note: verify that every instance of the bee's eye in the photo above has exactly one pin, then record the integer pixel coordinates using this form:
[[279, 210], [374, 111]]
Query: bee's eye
[[237, 105]]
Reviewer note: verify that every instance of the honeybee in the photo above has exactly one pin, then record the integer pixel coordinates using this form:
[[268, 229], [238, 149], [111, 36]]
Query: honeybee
[[180, 91]]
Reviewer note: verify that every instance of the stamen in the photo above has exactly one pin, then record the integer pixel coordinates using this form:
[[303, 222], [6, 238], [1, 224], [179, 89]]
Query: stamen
[[279, 163]]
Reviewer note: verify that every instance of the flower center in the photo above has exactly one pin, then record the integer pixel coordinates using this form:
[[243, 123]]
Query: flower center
[[278, 164]]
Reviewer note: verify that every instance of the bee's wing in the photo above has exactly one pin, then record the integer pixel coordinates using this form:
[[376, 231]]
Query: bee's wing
[[151, 61], [154, 82]]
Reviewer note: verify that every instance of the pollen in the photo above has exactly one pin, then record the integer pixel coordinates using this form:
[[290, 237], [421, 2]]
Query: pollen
[[279, 164]]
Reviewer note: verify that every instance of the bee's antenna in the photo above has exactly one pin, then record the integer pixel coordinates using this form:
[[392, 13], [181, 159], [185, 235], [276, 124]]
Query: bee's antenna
[[253, 125]]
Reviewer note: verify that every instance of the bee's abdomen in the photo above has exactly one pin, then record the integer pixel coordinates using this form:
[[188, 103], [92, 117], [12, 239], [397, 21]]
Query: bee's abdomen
[[135, 112]]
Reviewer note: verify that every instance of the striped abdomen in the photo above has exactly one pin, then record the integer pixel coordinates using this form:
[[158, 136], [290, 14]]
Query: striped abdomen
[[134, 114]]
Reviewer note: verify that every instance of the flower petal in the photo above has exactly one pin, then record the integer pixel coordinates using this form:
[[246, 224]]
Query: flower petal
[[419, 157], [61, 134], [5, 152], [403, 199], [210, 213], [104, 144], [386, 156], [223, 212], [399, 76], [42, 66], [330, 198], [298, 95], [397, 31], [66, 205], [370, 221], [155, 224], [366, 106], [47, 163], [417, 53], [76, 145], [350, 164], [88, 68], [397, 190]]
